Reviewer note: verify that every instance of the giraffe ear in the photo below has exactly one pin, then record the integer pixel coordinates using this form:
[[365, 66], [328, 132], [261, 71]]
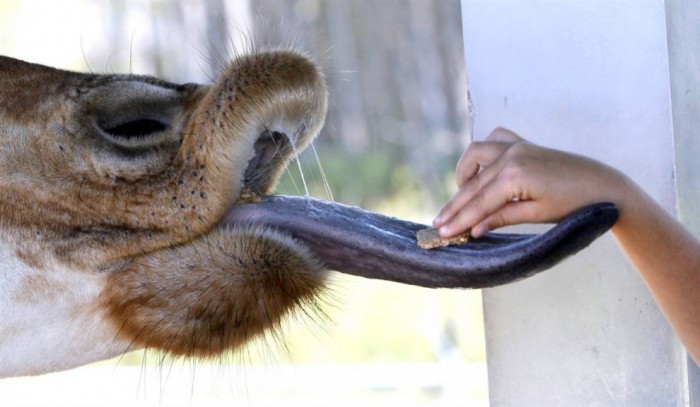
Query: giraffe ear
[[354, 241]]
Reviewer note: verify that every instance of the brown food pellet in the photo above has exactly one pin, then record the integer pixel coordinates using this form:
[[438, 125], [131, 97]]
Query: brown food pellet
[[430, 239], [248, 196]]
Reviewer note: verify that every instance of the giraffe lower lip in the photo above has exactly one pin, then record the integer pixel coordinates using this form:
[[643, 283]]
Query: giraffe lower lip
[[359, 242]]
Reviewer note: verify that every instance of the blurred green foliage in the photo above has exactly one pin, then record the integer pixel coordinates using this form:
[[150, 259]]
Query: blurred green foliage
[[395, 129], [374, 179]]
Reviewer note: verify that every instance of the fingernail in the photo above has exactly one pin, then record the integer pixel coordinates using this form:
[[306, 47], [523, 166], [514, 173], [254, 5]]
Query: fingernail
[[443, 230], [437, 220]]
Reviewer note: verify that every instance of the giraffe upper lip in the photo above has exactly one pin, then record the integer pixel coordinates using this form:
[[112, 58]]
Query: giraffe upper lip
[[355, 241]]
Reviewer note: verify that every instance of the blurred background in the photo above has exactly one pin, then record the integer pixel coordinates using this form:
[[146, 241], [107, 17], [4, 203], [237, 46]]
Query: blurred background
[[397, 123]]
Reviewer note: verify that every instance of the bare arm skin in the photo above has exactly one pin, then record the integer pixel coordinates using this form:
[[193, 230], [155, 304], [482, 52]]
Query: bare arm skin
[[506, 180]]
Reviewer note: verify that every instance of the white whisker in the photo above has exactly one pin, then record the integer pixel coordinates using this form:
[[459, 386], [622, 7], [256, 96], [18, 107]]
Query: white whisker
[[301, 172], [326, 184]]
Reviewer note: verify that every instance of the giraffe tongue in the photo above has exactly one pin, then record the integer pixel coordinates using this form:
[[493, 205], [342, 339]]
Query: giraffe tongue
[[355, 241]]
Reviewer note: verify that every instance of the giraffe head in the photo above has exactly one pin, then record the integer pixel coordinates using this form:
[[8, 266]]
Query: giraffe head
[[112, 188]]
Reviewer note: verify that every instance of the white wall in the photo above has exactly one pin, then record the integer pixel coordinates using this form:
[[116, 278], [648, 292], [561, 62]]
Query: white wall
[[590, 77]]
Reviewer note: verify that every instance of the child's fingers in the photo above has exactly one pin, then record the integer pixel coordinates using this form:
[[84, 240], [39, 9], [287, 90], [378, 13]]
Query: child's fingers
[[479, 155], [504, 135], [484, 202], [475, 184], [513, 213]]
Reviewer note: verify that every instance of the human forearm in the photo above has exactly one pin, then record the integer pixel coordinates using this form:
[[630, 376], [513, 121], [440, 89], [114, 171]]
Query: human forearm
[[667, 257], [505, 181]]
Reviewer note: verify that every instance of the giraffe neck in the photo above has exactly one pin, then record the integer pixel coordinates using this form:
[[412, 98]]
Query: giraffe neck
[[47, 309]]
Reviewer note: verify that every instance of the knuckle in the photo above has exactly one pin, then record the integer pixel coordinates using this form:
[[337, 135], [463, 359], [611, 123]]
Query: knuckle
[[513, 171], [472, 149], [505, 135], [519, 149], [518, 160]]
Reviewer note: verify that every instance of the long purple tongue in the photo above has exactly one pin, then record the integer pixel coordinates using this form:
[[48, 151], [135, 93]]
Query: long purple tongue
[[355, 241]]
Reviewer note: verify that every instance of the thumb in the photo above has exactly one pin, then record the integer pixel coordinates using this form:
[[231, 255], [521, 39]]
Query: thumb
[[513, 213]]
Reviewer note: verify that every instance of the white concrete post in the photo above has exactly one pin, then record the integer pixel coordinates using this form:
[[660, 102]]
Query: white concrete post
[[591, 77]]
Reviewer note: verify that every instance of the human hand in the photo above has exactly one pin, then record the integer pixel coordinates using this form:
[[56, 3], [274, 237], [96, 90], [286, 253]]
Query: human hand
[[505, 181]]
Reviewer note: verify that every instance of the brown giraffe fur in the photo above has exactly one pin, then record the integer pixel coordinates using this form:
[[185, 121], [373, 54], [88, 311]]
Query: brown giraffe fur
[[117, 236]]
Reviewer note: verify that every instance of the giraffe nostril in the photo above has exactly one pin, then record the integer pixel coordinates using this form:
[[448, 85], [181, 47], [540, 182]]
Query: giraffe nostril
[[135, 115], [139, 128]]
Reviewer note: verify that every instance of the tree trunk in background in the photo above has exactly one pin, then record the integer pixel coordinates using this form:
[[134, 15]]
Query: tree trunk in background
[[396, 74], [395, 70]]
